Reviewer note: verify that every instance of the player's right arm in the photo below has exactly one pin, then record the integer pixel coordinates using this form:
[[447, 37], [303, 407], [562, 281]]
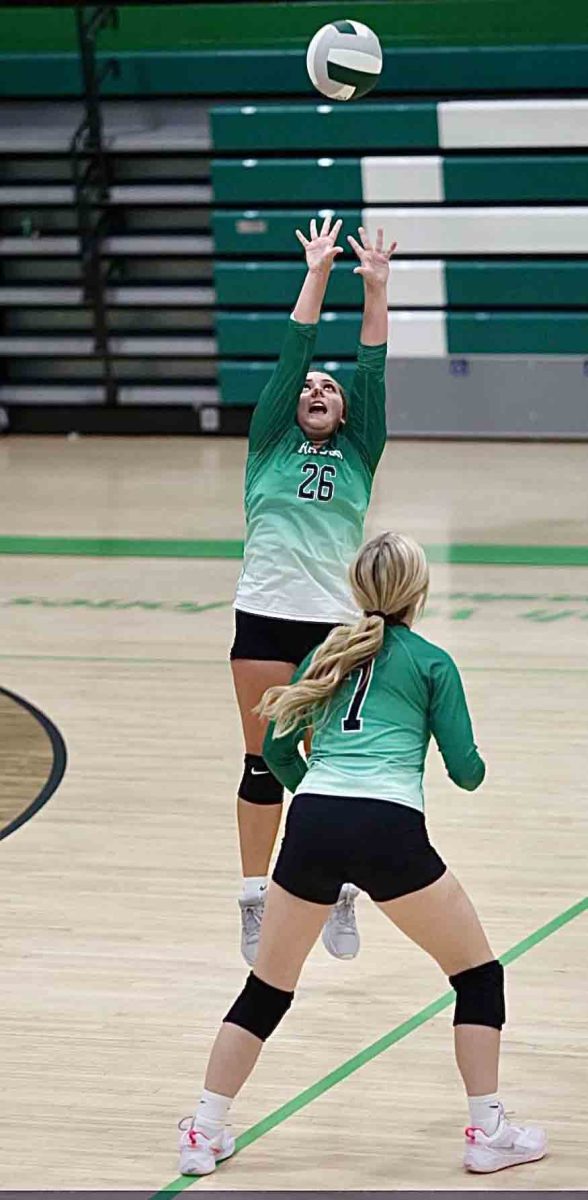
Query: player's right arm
[[450, 724], [275, 411]]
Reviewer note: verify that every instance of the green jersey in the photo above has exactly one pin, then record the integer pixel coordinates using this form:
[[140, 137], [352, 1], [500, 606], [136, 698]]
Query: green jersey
[[371, 739], [305, 506]]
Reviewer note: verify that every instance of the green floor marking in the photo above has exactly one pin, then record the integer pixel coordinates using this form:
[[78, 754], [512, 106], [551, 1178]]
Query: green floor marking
[[359, 1060], [99, 547], [453, 552]]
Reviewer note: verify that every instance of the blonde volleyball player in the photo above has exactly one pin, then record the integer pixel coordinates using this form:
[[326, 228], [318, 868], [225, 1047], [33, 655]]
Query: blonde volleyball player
[[373, 693], [310, 468]]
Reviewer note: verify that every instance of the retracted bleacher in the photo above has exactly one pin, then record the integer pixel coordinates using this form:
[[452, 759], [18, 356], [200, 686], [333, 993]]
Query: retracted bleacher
[[472, 153]]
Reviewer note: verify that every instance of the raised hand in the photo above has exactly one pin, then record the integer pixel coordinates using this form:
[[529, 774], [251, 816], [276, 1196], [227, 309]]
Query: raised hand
[[374, 260], [321, 250]]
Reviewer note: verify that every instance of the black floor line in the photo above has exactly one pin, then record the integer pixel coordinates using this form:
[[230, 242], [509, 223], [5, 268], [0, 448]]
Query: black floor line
[[57, 769]]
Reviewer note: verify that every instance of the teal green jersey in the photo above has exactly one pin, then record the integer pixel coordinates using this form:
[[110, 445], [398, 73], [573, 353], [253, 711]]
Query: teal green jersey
[[305, 507], [371, 739]]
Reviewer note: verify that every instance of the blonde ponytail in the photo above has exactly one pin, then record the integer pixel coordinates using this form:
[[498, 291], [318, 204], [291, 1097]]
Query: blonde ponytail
[[345, 648], [389, 579]]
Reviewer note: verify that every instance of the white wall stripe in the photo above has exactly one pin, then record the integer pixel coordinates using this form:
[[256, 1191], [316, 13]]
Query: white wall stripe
[[497, 123], [521, 230], [402, 178], [417, 335], [417, 284]]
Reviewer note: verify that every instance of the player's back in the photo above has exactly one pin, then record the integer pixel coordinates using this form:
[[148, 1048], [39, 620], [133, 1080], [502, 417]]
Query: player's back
[[372, 738]]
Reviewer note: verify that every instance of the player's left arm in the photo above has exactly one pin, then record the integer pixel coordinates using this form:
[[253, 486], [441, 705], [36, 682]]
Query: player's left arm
[[281, 753], [451, 726], [366, 419]]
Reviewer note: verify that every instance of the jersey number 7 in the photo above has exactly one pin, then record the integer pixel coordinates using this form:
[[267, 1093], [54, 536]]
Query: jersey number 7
[[353, 721]]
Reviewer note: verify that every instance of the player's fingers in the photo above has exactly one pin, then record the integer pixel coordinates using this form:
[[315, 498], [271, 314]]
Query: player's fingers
[[365, 241], [326, 225], [313, 232], [358, 271], [335, 251], [391, 249], [336, 230], [301, 238], [355, 245], [379, 239]]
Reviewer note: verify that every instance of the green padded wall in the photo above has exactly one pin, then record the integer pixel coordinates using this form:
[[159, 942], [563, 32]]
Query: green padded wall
[[324, 127], [259, 181], [249, 233], [398, 22], [260, 335], [517, 284], [276, 284], [517, 333], [231, 72], [241, 382], [526, 177], [488, 284], [338, 181]]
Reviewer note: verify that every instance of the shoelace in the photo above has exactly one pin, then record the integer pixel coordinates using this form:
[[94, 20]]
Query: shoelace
[[252, 918], [345, 913], [186, 1125]]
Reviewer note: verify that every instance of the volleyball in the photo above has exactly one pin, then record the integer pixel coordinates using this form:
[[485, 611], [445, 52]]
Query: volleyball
[[344, 60]]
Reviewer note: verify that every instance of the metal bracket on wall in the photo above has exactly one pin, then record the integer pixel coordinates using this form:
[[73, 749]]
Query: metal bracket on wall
[[92, 180]]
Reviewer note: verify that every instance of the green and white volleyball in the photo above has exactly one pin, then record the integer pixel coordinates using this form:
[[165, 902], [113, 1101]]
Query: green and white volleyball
[[344, 60]]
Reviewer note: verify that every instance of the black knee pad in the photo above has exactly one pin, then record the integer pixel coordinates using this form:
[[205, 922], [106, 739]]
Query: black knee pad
[[260, 1007], [258, 785], [480, 995]]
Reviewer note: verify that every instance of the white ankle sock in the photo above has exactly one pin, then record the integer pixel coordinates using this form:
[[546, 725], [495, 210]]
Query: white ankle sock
[[485, 1112], [254, 888], [212, 1112]]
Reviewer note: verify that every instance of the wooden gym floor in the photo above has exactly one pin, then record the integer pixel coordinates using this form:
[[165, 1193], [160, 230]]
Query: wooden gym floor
[[120, 948]]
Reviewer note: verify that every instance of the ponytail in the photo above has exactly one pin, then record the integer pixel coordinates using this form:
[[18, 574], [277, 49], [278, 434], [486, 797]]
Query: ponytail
[[345, 648]]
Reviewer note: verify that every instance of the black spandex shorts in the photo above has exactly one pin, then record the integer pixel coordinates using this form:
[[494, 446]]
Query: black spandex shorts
[[275, 638], [380, 846]]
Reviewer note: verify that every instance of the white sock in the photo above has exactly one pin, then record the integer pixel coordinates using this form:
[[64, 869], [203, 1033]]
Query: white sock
[[254, 888], [212, 1112], [485, 1112]]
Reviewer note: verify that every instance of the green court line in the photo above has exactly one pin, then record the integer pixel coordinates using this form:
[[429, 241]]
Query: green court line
[[99, 547], [365, 1056], [452, 552]]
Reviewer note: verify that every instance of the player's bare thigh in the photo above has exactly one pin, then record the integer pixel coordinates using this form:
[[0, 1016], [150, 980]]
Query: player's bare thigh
[[443, 921], [252, 677]]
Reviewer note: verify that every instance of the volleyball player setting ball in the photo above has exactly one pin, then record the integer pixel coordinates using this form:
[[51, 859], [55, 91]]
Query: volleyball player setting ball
[[312, 457], [372, 695]]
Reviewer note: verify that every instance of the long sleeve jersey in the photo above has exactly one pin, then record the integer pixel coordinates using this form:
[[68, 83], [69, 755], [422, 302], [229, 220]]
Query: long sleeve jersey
[[371, 738], [305, 507]]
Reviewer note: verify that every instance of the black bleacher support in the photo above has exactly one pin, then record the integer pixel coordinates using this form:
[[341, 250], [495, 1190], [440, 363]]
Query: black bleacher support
[[92, 182]]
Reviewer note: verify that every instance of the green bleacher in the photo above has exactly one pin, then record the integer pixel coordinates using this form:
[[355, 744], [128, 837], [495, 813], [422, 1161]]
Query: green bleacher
[[472, 153]]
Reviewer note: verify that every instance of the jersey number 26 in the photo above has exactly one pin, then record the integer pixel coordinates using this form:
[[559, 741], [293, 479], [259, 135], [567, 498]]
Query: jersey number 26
[[319, 483]]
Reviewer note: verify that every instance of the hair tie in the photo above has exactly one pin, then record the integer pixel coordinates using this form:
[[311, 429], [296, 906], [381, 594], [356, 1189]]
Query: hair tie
[[376, 613]]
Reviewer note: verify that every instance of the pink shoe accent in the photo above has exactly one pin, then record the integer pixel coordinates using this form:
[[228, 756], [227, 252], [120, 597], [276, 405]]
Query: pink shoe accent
[[194, 1134], [471, 1132]]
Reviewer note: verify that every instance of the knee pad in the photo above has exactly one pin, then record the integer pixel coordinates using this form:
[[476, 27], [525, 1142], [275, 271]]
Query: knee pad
[[480, 995], [260, 1007], [258, 785]]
